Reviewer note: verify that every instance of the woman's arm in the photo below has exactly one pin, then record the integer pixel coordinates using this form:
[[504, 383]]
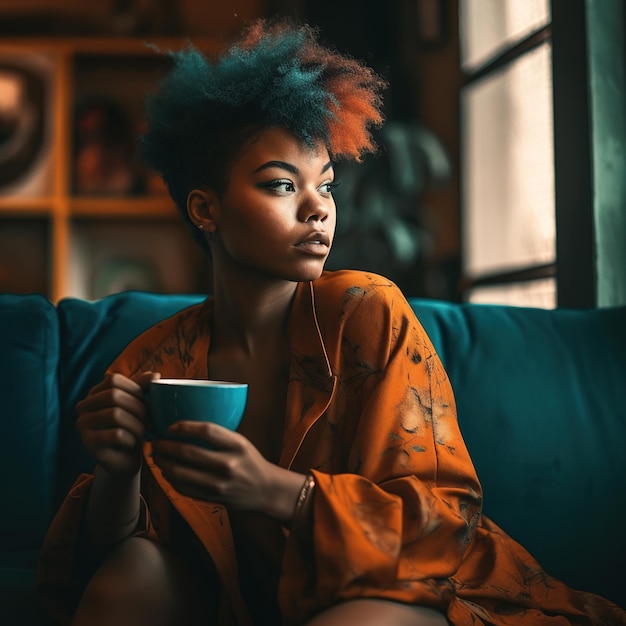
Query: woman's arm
[[113, 509]]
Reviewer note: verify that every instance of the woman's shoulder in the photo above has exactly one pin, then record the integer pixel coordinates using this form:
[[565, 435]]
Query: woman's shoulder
[[366, 311], [349, 297], [343, 292]]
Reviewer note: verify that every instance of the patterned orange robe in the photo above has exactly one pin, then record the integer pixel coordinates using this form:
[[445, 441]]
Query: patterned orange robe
[[397, 506]]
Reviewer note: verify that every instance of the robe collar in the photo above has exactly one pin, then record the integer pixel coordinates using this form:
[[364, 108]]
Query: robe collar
[[312, 382]]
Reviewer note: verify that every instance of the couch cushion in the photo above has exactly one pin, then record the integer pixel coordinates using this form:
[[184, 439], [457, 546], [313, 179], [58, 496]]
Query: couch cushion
[[541, 398], [28, 417], [19, 601], [92, 335]]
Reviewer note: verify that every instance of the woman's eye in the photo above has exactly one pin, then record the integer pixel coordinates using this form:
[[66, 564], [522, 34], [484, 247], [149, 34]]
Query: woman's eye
[[328, 187], [285, 186]]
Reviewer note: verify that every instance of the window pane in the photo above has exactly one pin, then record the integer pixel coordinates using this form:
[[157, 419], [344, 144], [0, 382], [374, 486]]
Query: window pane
[[508, 186], [487, 27], [537, 293]]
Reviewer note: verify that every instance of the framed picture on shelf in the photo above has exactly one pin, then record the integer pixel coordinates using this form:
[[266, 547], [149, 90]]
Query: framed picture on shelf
[[104, 149], [26, 121]]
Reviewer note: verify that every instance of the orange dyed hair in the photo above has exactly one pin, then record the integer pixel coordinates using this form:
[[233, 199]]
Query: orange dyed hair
[[353, 89]]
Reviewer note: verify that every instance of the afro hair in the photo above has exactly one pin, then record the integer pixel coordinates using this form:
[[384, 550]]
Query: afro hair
[[276, 75]]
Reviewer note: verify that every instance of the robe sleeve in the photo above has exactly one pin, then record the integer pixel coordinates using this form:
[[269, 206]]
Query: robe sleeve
[[397, 522]]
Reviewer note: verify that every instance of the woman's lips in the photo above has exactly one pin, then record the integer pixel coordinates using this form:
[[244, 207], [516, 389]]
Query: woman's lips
[[313, 247], [315, 243]]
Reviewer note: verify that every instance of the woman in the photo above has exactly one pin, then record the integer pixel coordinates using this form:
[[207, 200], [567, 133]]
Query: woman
[[347, 495]]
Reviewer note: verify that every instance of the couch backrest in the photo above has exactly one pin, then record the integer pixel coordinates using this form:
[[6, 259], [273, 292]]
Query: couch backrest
[[541, 400], [29, 413]]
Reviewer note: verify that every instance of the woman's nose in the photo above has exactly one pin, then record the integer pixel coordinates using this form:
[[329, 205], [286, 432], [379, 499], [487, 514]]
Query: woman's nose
[[313, 209]]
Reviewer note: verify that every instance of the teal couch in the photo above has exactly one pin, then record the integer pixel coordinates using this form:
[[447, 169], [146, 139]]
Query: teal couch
[[541, 401]]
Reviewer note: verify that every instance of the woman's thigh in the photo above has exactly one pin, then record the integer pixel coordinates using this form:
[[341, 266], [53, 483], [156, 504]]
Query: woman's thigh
[[375, 612], [141, 582]]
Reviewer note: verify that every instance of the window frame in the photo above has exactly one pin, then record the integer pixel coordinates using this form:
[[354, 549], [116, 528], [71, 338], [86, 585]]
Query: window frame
[[573, 268]]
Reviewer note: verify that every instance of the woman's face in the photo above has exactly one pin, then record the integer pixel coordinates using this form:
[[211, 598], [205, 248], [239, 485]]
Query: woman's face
[[276, 217]]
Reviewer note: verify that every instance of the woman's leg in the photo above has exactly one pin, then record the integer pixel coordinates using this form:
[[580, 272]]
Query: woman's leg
[[374, 612], [141, 583]]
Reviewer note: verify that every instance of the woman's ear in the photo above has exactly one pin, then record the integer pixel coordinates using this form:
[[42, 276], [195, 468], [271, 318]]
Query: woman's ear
[[203, 209]]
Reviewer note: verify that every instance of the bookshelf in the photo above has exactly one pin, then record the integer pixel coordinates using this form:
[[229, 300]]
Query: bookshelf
[[61, 237]]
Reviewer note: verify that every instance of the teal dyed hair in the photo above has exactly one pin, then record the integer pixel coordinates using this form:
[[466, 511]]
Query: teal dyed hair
[[277, 75]]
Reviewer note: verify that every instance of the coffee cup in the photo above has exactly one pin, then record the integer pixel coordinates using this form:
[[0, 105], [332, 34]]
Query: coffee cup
[[172, 400]]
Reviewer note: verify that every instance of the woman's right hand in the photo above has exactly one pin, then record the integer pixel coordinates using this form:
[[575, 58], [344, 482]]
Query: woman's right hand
[[112, 421]]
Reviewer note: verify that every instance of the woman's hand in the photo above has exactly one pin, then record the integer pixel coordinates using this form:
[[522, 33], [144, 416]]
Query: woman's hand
[[112, 422], [233, 473]]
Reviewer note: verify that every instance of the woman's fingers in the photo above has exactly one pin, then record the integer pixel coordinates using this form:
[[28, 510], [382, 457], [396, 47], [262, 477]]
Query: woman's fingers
[[112, 421], [187, 465], [191, 455], [118, 438], [193, 480], [145, 378], [117, 392], [115, 418], [116, 449], [119, 381], [219, 437]]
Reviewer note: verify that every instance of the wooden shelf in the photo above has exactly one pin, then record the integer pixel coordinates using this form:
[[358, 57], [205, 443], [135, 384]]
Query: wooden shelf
[[106, 46], [23, 206], [145, 207], [123, 70]]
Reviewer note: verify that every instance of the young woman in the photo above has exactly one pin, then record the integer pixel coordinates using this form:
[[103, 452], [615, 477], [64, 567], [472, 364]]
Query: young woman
[[347, 496]]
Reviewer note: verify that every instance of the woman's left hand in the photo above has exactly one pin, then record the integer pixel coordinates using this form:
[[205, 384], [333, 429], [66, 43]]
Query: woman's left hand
[[233, 473]]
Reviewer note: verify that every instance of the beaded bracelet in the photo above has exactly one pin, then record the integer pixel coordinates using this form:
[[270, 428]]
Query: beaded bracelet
[[301, 508]]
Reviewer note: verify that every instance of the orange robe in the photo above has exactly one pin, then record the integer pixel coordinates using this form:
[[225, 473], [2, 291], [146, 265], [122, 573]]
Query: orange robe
[[397, 504]]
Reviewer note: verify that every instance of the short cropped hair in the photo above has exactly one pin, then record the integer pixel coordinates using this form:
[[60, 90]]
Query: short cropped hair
[[277, 74]]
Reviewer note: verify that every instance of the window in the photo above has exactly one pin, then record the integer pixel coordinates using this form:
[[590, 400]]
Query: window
[[508, 194]]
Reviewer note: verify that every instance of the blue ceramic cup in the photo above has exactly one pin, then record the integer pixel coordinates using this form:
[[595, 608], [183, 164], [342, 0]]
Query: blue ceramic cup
[[172, 400]]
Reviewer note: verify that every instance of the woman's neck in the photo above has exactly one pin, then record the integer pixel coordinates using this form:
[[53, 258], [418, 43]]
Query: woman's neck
[[250, 314]]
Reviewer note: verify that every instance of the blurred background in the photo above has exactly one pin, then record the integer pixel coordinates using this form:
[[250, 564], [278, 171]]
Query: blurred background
[[501, 175]]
